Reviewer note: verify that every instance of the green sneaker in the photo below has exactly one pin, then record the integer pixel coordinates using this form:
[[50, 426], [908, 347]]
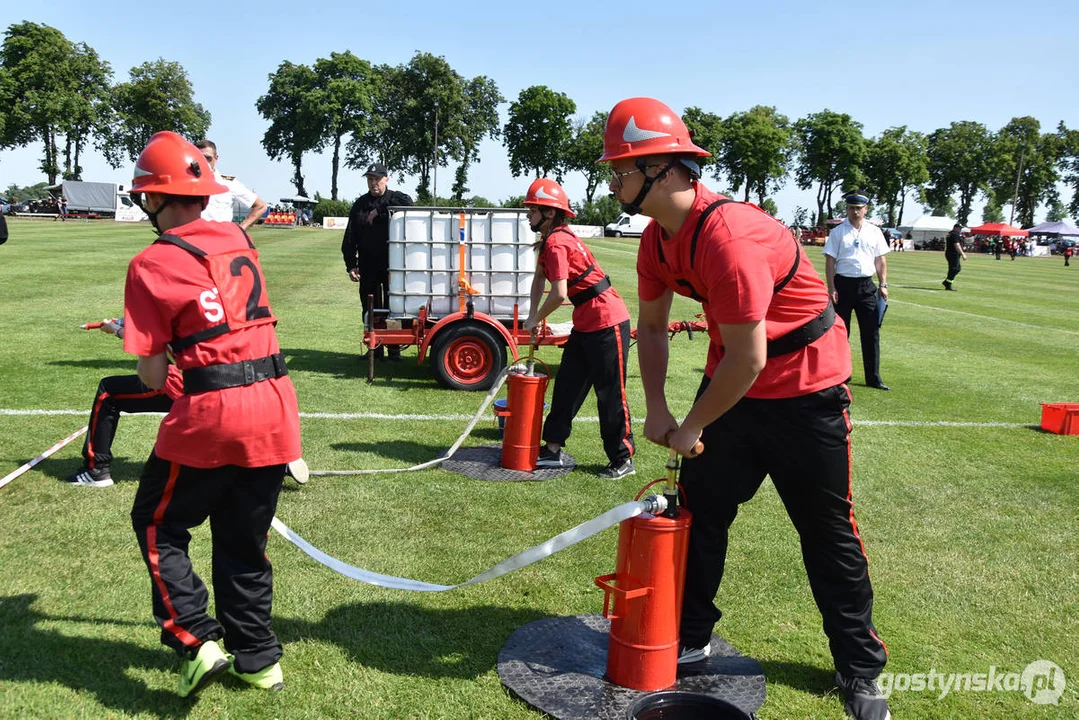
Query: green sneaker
[[268, 678], [201, 669]]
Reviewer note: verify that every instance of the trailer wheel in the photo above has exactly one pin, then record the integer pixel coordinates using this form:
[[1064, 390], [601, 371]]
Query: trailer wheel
[[469, 356]]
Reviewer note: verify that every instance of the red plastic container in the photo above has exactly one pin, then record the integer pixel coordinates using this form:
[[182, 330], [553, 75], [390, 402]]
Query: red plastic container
[[1060, 418], [650, 572]]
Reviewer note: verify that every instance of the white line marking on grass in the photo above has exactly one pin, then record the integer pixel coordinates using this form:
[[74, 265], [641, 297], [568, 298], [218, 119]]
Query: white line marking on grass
[[387, 416], [984, 317]]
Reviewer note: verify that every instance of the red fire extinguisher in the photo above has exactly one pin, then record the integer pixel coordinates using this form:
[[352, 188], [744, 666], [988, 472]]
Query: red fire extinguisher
[[642, 650], [524, 416]]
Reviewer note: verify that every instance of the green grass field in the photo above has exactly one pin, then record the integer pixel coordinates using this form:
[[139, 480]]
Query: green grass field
[[969, 512]]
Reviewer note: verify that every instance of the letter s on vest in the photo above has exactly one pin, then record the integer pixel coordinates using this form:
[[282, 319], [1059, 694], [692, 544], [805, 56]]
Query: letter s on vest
[[214, 311]]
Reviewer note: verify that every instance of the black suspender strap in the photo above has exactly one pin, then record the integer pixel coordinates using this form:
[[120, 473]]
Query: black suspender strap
[[584, 273], [181, 243], [803, 336], [237, 374], [794, 268], [700, 223], [590, 292]]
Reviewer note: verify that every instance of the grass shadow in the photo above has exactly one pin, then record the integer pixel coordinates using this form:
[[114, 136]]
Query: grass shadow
[[397, 450], [350, 366], [811, 679], [123, 365], [406, 639], [88, 665]]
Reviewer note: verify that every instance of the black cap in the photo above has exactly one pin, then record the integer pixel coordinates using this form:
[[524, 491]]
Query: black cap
[[377, 169], [856, 198]]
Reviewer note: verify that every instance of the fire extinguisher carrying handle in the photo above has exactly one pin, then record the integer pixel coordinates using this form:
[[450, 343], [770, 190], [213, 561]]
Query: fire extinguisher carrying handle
[[608, 584]]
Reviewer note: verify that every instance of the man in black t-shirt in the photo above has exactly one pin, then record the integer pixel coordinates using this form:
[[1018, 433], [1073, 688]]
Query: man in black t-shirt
[[953, 250], [366, 245]]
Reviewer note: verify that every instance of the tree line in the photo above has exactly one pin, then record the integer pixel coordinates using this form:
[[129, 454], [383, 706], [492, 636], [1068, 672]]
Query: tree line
[[422, 115]]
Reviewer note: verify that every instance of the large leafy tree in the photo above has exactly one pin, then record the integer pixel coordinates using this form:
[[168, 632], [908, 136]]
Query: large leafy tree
[[292, 107], [1023, 168], [831, 150], [539, 132], [1069, 163], [414, 103], [586, 148], [756, 151], [41, 72], [958, 161], [480, 120], [159, 96], [87, 109], [707, 130], [343, 98], [896, 165]]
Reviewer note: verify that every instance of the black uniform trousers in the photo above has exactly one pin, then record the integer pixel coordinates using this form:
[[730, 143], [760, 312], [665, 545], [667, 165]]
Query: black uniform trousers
[[240, 503], [116, 394], [594, 359], [375, 284], [955, 266], [803, 443], [860, 295]]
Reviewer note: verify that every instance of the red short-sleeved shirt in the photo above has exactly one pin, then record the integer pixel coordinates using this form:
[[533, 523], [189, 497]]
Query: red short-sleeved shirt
[[564, 257], [742, 254], [251, 426]]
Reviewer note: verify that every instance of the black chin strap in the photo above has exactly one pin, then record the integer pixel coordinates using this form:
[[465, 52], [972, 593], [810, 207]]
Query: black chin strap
[[634, 207], [153, 215]]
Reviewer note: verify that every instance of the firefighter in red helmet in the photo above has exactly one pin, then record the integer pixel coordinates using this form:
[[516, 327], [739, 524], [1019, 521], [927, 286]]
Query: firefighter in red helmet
[[198, 292], [595, 354], [773, 400]]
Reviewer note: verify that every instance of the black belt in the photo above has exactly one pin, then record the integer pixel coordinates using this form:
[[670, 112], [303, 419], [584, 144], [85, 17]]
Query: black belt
[[247, 372], [590, 292]]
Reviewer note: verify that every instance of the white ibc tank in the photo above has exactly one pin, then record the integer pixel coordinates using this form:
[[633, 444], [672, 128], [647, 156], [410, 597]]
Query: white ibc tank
[[425, 251]]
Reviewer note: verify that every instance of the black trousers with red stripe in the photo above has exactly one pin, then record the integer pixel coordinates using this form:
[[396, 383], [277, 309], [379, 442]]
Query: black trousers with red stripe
[[240, 503], [594, 359], [803, 443], [116, 394]]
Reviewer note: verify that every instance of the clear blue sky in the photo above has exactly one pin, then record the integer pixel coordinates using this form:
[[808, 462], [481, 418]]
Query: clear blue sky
[[915, 63]]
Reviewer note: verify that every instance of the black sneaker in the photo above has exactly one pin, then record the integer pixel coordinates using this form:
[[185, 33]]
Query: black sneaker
[[690, 655], [298, 471], [618, 470], [91, 477], [947, 285], [548, 459], [865, 701]]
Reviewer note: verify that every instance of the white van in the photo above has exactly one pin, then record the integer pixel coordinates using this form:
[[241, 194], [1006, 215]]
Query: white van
[[627, 225]]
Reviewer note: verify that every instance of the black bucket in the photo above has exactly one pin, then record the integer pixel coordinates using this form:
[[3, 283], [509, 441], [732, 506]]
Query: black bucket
[[684, 706]]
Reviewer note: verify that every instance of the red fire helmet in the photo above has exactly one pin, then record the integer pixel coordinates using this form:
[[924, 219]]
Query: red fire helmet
[[172, 166], [645, 126], [546, 192]]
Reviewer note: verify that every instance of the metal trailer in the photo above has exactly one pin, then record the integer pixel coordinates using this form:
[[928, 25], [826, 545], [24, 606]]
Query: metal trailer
[[460, 281]]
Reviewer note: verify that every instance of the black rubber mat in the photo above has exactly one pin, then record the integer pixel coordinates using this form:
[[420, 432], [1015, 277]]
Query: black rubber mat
[[557, 666], [482, 463]]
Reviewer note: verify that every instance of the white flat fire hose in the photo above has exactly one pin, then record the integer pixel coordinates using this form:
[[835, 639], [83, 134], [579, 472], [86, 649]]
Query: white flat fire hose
[[16, 473], [499, 382], [559, 542]]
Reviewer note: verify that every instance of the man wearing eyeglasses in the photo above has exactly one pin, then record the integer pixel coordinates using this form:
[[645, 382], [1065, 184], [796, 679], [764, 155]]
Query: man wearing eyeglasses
[[221, 206], [772, 402], [855, 249]]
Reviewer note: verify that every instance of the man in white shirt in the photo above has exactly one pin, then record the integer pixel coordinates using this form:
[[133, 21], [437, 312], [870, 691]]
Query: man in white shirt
[[220, 207], [855, 249]]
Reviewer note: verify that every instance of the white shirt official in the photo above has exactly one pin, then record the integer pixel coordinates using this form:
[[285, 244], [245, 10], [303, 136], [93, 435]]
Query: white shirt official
[[223, 206], [855, 250]]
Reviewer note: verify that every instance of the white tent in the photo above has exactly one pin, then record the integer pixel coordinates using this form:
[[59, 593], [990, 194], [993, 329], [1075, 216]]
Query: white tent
[[927, 227]]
